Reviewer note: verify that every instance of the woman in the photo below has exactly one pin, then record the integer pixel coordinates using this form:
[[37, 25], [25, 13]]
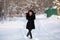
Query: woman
[[30, 16]]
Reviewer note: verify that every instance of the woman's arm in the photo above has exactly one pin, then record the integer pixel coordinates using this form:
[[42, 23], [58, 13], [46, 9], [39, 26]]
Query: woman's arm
[[27, 16], [34, 16]]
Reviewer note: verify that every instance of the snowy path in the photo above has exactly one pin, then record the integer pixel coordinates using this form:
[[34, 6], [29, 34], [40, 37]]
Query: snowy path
[[46, 29]]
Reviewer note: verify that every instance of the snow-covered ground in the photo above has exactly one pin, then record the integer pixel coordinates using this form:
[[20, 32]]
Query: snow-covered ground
[[45, 28]]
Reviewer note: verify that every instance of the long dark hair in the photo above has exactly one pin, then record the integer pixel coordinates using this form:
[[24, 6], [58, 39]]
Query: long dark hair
[[31, 11]]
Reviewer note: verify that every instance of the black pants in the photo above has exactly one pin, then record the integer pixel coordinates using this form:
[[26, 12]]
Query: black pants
[[29, 33]]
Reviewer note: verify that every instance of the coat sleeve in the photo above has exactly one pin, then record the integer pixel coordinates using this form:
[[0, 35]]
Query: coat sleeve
[[34, 17], [27, 16]]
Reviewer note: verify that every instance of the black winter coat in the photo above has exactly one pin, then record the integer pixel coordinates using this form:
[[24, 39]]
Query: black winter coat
[[30, 23]]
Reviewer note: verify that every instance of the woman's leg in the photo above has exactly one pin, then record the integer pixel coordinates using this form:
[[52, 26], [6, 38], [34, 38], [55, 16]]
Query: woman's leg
[[30, 33]]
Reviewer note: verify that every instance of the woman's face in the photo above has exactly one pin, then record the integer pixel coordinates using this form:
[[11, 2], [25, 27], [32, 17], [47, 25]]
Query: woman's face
[[30, 13]]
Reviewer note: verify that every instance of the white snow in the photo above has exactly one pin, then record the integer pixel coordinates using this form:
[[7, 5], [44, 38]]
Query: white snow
[[45, 28]]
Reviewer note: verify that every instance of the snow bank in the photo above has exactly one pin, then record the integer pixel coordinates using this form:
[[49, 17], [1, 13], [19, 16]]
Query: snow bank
[[41, 16]]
